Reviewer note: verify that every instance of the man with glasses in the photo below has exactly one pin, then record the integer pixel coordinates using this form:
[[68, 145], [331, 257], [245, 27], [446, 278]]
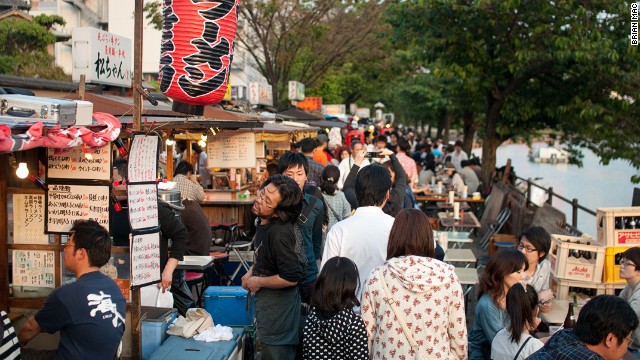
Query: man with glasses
[[630, 271], [90, 312], [278, 267], [603, 331]]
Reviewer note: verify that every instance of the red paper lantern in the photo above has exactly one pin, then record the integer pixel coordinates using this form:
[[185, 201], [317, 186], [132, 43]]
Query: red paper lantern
[[196, 52]]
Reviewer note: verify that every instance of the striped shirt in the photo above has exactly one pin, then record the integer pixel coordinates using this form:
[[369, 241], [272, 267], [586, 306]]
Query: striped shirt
[[10, 347]]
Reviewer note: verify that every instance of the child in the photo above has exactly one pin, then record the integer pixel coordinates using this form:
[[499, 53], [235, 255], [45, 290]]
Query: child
[[514, 341], [333, 330]]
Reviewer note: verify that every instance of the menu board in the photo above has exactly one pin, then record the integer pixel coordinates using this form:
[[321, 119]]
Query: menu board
[[278, 145], [33, 268], [28, 219], [74, 164], [232, 150], [143, 205], [68, 203], [143, 158], [145, 259]]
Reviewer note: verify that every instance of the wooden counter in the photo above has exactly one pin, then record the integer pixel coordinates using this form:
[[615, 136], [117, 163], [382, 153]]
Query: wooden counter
[[224, 207]]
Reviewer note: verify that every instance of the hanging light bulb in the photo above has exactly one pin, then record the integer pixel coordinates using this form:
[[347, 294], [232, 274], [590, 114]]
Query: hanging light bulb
[[22, 172], [170, 142], [203, 137], [202, 143], [88, 156]]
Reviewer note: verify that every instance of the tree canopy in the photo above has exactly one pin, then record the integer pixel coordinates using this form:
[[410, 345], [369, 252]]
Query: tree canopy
[[531, 65], [24, 47]]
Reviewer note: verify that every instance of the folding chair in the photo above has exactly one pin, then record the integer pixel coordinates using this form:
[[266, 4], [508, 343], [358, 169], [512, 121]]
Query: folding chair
[[495, 227], [240, 245]]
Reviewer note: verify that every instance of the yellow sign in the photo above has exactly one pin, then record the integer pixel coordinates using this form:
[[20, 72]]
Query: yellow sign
[[227, 94]]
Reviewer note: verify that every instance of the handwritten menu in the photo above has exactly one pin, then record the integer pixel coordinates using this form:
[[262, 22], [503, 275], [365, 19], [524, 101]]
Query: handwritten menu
[[143, 205], [232, 150], [68, 203], [145, 259], [33, 268], [143, 158], [74, 164], [28, 219]]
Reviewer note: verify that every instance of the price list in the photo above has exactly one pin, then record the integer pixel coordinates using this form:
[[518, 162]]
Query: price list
[[33, 268], [28, 219], [145, 259]]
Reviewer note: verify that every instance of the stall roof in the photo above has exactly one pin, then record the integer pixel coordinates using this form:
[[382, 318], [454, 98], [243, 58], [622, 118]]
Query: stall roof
[[300, 114], [324, 123]]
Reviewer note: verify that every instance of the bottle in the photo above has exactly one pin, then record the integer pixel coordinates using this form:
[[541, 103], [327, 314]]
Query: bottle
[[633, 223], [116, 204], [36, 180], [121, 148], [587, 254], [570, 319], [574, 252]]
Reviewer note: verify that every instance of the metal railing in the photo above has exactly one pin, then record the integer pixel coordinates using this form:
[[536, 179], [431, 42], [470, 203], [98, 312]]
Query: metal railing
[[550, 195]]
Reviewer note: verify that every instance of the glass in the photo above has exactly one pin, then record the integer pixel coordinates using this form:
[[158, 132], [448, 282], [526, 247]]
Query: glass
[[263, 199], [528, 248], [625, 262]]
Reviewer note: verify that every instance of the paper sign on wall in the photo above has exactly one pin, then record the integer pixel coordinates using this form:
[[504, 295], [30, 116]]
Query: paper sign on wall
[[143, 205], [68, 203], [145, 259], [143, 158], [28, 219], [74, 164], [232, 150], [33, 268]]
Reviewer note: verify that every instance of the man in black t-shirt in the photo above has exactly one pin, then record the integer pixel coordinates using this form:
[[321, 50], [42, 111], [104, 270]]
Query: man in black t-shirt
[[278, 267], [90, 312]]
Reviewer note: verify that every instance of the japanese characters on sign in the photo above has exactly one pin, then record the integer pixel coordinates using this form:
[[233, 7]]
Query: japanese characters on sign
[[145, 259], [232, 150], [260, 94], [28, 219], [143, 158], [74, 164], [68, 203], [33, 268], [104, 58], [143, 205]]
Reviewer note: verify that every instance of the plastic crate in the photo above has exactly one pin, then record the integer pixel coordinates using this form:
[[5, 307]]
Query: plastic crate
[[614, 289], [608, 235], [228, 305], [568, 267], [611, 273], [561, 288], [154, 327]]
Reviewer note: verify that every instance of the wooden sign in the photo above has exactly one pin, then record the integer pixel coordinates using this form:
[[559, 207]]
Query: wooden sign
[[145, 259], [143, 205], [33, 268], [143, 158], [28, 219], [278, 145], [232, 150], [68, 203], [75, 164]]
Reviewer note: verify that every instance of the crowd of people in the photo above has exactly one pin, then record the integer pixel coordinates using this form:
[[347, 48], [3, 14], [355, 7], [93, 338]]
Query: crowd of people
[[346, 267]]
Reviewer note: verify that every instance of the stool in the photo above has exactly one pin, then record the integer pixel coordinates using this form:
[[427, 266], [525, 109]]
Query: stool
[[218, 267], [195, 278], [499, 241]]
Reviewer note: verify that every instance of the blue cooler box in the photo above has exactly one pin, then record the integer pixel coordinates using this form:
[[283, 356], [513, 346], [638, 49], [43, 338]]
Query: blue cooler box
[[154, 327], [228, 305]]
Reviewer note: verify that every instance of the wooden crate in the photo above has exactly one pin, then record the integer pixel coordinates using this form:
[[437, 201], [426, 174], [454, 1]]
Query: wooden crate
[[570, 268], [608, 235]]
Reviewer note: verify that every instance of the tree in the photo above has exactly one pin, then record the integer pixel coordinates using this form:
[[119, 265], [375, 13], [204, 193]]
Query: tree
[[23, 45], [526, 59]]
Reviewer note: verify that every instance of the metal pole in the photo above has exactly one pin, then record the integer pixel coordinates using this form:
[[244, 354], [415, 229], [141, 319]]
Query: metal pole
[[550, 199], [528, 191], [136, 338], [574, 220], [4, 236]]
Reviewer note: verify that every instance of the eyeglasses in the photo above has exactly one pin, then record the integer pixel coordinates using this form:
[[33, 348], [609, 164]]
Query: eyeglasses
[[262, 198], [548, 301], [528, 248], [628, 338], [626, 263]]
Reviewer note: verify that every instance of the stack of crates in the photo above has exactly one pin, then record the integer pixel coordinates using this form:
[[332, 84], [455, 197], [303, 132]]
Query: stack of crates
[[598, 272], [618, 229]]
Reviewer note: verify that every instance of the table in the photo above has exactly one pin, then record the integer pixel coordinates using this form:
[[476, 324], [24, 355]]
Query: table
[[458, 238], [197, 263], [558, 312], [433, 197], [468, 278], [464, 206], [468, 220], [176, 347], [460, 255]]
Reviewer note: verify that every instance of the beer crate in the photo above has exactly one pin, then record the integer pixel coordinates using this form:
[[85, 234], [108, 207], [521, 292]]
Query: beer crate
[[611, 273], [561, 288], [623, 234], [564, 265], [614, 289]]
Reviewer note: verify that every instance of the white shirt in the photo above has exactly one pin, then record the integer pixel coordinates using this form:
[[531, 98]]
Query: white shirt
[[363, 238], [345, 167], [456, 159], [502, 348]]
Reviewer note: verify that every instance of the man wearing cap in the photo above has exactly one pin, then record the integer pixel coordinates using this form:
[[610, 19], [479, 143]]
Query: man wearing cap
[[354, 133], [308, 147]]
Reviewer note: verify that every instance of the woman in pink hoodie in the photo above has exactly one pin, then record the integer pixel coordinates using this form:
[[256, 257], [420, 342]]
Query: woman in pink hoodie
[[426, 318]]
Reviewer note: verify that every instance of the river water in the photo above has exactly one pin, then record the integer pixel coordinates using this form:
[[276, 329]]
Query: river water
[[594, 185]]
